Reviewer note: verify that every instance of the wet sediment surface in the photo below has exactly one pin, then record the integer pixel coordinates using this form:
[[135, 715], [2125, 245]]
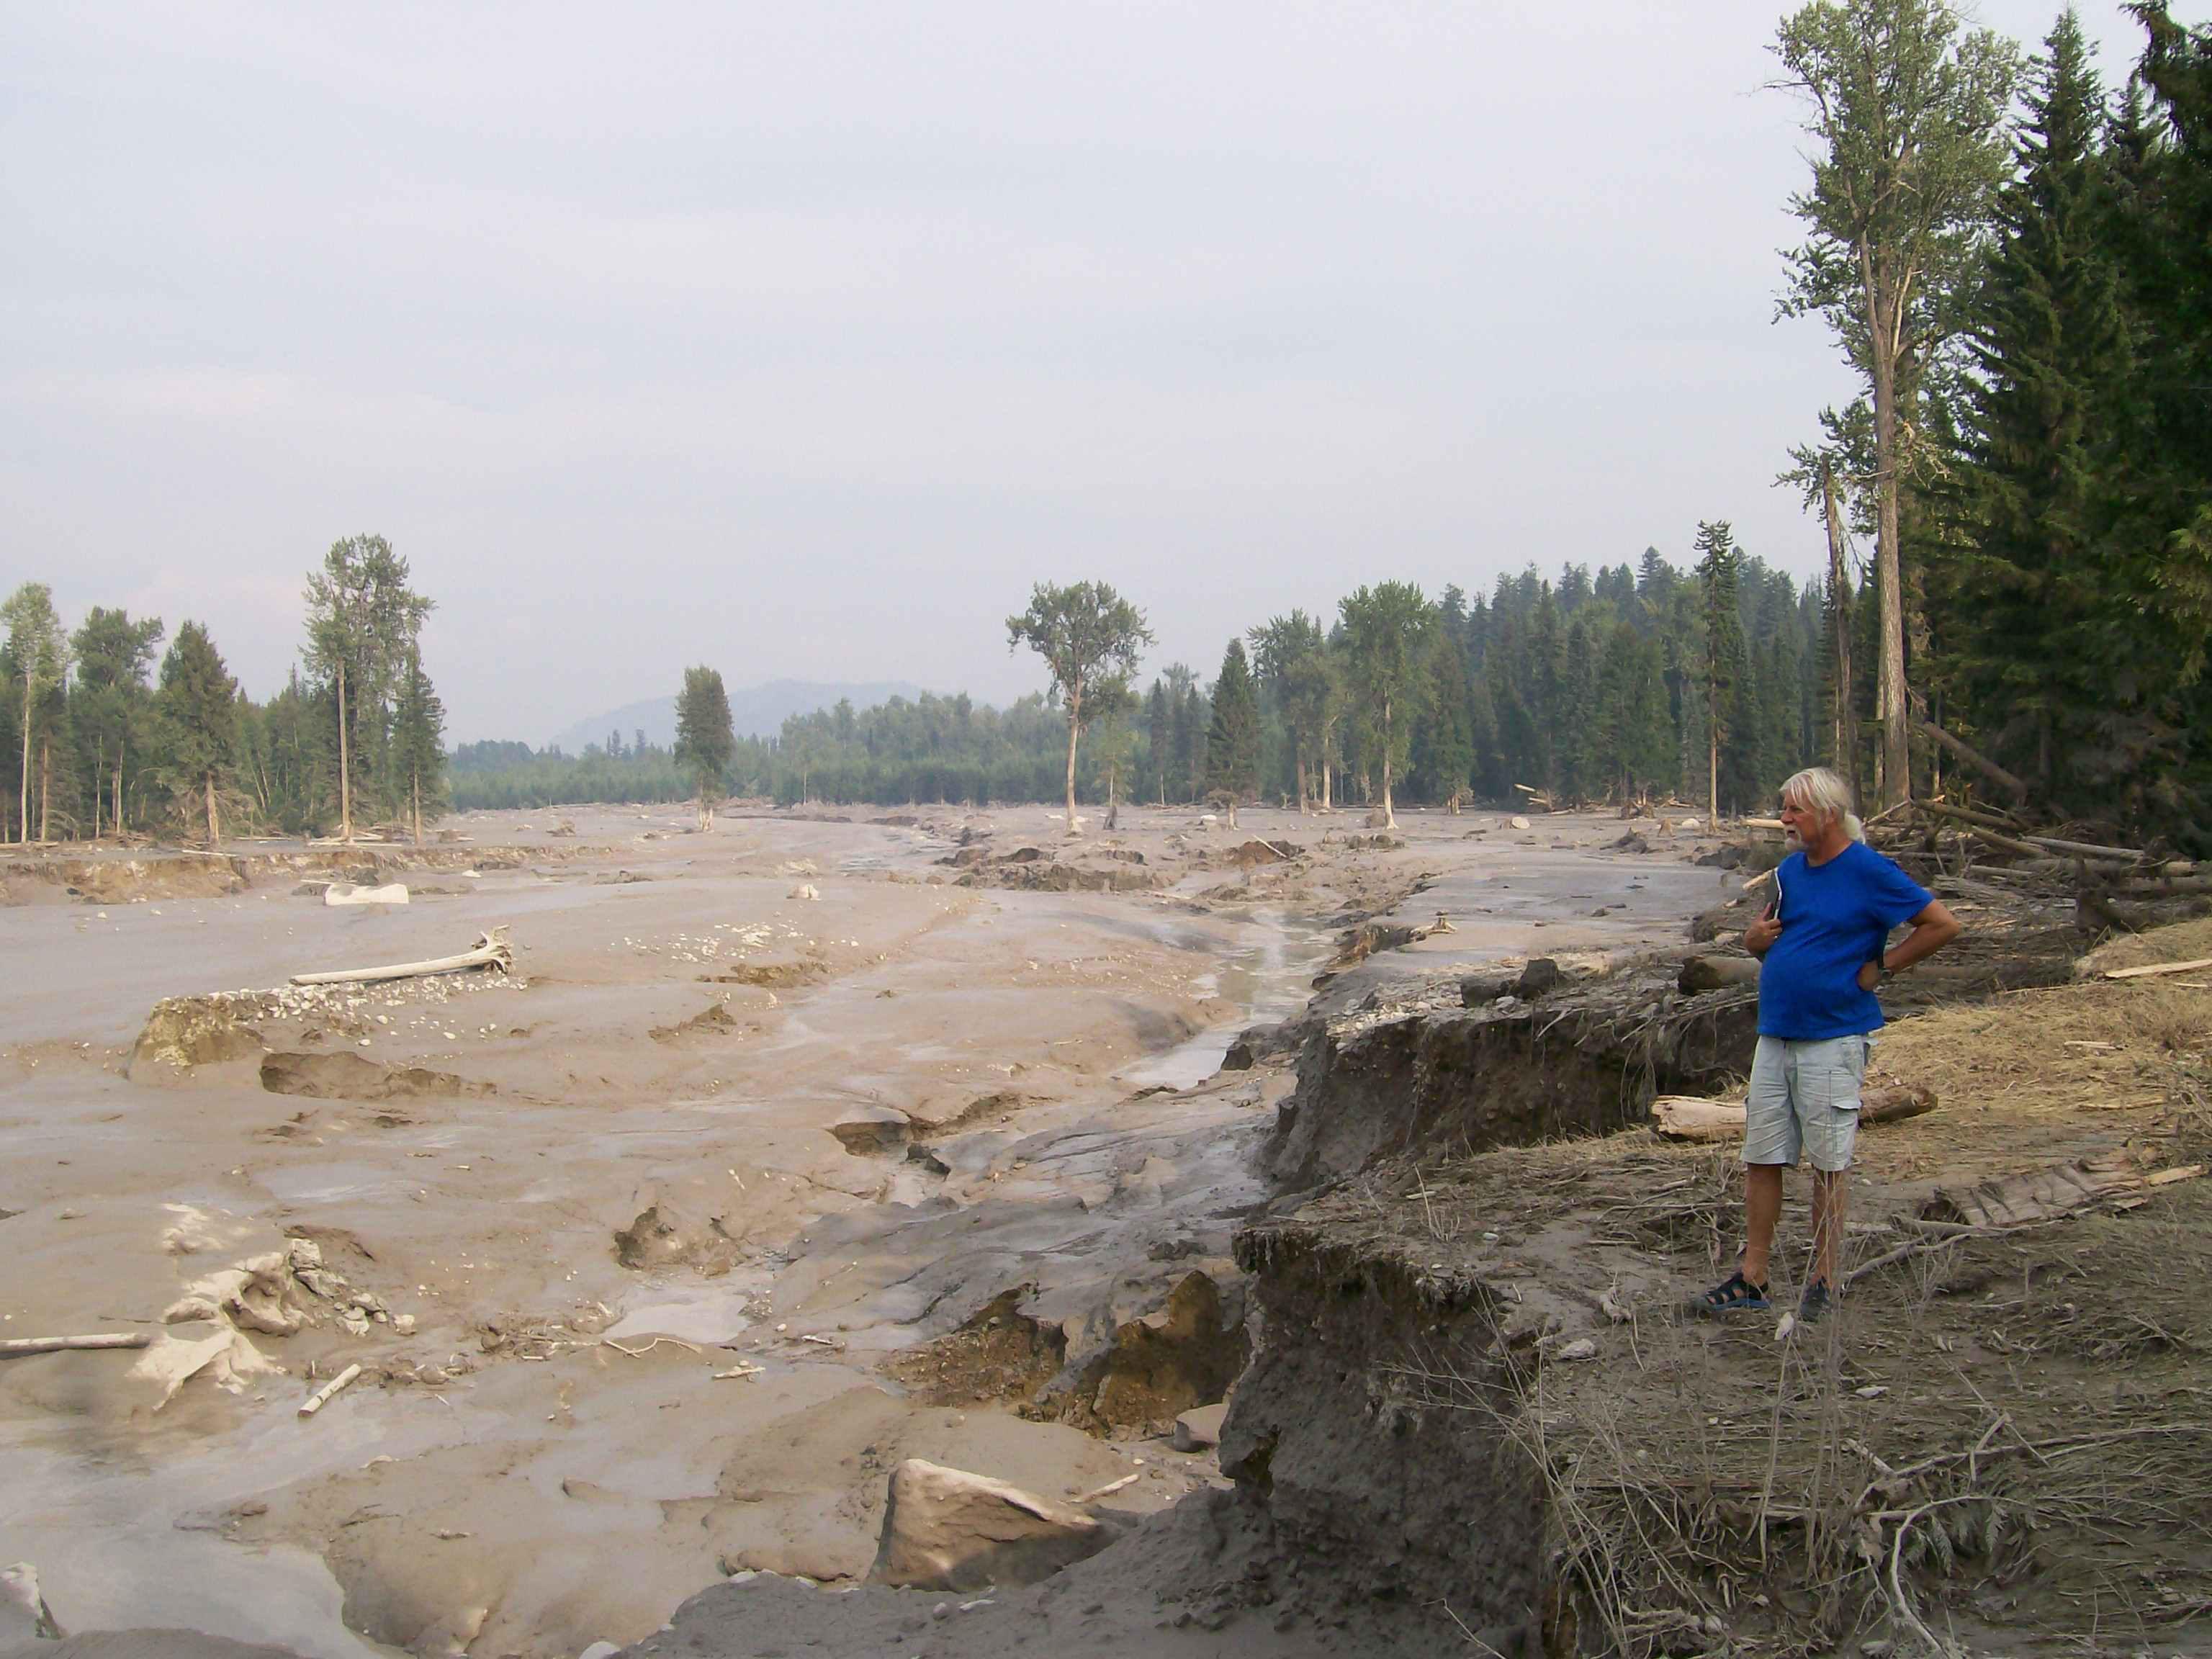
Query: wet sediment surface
[[804, 1135]]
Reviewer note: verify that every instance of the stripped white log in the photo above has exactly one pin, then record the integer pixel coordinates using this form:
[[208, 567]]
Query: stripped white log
[[323, 1396], [492, 950], [2192, 967], [345, 892], [28, 1344]]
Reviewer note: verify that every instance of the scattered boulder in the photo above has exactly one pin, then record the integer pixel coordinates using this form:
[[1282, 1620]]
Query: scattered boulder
[[946, 1529], [1480, 990], [1542, 974], [1260, 1042], [24, 1614], [187, 1031], [1632, 842], [1200, 1428], [805, 889]]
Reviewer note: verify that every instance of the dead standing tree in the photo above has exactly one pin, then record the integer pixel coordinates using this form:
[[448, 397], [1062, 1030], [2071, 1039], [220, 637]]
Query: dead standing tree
[[1089, 636]]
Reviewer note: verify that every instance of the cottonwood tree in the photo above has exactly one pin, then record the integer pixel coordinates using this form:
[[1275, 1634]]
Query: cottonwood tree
[[1905, 112], [198, 701], [38, 662], [706, 742], [1291, 652], [362, 621], [1089, 636], [1388, 630], [418, 746]]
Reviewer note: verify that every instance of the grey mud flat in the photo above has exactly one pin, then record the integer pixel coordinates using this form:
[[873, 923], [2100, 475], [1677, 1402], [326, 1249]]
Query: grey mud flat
[[711, 1123]]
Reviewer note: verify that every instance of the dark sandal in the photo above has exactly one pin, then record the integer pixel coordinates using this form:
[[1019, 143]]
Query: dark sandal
[[1735, 1294]]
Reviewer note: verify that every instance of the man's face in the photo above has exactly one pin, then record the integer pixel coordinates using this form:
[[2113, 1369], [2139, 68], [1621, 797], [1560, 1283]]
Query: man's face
[[1799, 823]]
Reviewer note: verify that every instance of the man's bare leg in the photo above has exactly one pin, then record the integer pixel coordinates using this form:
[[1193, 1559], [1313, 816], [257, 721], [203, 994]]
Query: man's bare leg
[[1831, 1205], [1762, 1209]]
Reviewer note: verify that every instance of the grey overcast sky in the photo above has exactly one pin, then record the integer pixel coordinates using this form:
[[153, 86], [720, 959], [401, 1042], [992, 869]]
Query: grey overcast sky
[[800, 339]]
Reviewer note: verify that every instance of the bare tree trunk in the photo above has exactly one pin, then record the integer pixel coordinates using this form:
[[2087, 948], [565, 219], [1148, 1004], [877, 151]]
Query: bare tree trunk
[[23, 812], [1712, 770], [416, 780], [345, 763], [1074, 715], [117, 813], [1300, 762], [1847, 711], [98, 766], [214, 830], [1389, 817], [45, 788], [1896, 718]]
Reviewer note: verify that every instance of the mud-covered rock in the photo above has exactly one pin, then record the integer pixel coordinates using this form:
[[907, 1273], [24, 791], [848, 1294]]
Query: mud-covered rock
[[662, 1237], [343, 1076], [946, 1529], [877, 1134]]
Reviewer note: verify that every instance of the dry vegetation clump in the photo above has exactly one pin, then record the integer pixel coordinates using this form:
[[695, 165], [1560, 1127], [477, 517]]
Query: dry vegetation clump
[[1999, 1435]]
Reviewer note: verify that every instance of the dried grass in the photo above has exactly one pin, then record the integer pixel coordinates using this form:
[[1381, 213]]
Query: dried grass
[[2027, 1413]]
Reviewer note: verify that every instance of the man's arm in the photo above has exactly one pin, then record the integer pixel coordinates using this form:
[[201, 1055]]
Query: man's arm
[[1932, 929]]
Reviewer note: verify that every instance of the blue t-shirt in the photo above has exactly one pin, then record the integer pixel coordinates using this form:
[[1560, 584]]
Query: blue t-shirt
[[1836, 918]]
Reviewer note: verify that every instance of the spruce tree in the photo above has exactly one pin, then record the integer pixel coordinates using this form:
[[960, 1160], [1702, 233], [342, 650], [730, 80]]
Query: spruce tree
[[199, 721], [2029, 625], [418, 746], [1232, 740], [1723, 667]]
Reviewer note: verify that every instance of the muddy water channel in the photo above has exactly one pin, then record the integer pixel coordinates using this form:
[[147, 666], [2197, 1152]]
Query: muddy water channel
[[657, 1255]]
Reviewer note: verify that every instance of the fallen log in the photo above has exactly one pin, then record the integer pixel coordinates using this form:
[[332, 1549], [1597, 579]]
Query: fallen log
[[29, 1345], [1689, 1117], [2015, 787], [2194, 965], [492, 950], [1715, 973], [2018, 1201], [345, 892]]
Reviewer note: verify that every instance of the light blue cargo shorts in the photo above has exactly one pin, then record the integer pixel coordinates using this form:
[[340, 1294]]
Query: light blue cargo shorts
[[1804, 1097]]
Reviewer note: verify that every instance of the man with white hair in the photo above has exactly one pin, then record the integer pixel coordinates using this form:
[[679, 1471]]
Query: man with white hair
[[1823, 949]]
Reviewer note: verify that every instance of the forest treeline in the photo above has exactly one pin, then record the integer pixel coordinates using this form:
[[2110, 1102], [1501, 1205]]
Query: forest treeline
[[105, 743], [2014, 259]]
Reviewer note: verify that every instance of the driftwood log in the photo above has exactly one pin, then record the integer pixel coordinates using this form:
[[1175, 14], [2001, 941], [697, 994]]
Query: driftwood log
[[1689, 1117], [1716, 973], [492, 950], [29, 1345]]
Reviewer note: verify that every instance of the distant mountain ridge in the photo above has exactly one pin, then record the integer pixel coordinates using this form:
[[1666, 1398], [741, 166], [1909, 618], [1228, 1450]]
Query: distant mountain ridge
[[755, 711]]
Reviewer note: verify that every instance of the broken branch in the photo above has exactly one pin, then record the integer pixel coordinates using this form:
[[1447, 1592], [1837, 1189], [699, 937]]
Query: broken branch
[[323, 1396]]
